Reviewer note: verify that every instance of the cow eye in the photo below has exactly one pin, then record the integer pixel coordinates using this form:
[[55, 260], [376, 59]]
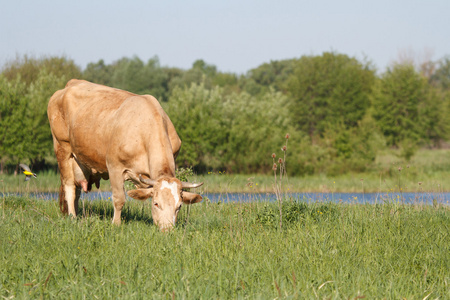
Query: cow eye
[[156, 204]]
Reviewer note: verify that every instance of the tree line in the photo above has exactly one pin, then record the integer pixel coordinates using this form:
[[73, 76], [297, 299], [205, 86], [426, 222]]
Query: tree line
[[339, 111]]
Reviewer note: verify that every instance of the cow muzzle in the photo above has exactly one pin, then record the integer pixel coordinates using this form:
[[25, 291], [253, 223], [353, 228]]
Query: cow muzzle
[[165, 227]]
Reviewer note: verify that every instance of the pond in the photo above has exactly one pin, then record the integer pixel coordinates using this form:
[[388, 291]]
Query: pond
[[371, 198]]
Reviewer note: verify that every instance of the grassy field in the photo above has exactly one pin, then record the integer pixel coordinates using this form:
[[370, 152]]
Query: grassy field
[[428, 171], [226, 251]]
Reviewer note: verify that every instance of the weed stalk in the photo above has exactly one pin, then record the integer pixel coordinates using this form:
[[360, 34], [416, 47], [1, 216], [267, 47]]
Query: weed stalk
[[278, 184]]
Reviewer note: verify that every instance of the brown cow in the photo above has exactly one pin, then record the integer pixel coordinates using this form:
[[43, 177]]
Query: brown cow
[[102, 132]]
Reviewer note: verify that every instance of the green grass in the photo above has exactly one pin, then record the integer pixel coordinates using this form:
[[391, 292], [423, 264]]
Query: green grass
[[226, 251], [257, 183], [428, 171]]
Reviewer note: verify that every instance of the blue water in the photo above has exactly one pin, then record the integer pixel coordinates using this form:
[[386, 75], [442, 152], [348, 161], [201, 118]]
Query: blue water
[[372, 198]]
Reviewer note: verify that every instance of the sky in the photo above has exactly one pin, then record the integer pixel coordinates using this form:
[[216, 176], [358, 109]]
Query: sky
[[233, 35]]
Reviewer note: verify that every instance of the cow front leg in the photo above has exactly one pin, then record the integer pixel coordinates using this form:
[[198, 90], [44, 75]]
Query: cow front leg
[[118, 195]]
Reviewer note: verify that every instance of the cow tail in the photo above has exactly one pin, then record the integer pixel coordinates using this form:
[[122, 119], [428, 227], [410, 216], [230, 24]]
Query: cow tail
[[62, 200]]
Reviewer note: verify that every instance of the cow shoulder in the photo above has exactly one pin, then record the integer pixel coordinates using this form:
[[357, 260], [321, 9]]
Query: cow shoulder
[[175, 140]]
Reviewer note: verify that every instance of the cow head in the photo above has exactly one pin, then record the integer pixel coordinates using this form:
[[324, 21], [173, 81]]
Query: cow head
[[167, 198]]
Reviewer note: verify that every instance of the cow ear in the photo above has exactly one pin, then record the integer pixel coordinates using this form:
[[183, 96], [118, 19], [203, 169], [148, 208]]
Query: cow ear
[[141, 194], [190, 198]]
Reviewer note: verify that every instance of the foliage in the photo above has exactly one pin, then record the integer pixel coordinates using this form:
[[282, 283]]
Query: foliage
[[441, 77], [99, 73], [258, 124], [12, 119], [25, 132], [201, 73], [183, 174], [339, 112], [407, 109], [132, 75], [37, 130], [396, 102], [234, 132], [269, 75], [328, 91], [197, 114], [295, 212], [28, 68]]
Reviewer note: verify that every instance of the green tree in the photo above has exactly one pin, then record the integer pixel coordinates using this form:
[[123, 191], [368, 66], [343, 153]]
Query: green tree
[[135, 76], [433, 115], [24, 130], [228, 81], [201, 73], [396, 100], [98, 73], [28, 68], [274, 74], [329, 90], [129, 74], [439, 91], [13, 106], [237, 132], [197, 114], [257, 128], [36, 131], [441, 77]]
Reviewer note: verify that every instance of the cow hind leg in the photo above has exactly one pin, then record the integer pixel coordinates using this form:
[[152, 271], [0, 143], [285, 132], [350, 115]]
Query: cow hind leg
[[69, 193], [62, 200]]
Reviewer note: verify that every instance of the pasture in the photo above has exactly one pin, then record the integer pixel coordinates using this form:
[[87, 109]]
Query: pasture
[[226, 251], [426, 172]]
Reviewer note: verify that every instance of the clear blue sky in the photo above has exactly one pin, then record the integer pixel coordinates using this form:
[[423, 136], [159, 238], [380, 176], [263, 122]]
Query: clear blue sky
[[233, 35]]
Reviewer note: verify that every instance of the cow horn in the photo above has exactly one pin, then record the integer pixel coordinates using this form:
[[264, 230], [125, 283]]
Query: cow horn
[[188, 185], [148, 181]]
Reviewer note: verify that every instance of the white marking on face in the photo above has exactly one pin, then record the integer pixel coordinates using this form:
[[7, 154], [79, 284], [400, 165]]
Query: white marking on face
[[173, 189]]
